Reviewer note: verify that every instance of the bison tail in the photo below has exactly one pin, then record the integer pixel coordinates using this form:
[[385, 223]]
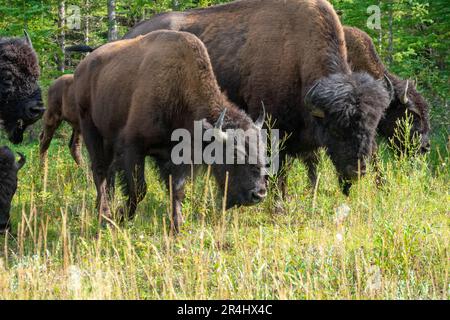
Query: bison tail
[[80, 48], [21, 161]]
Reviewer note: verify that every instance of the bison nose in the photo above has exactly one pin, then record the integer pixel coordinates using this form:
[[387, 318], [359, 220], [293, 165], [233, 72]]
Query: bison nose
[[36, 111], [258, 195]]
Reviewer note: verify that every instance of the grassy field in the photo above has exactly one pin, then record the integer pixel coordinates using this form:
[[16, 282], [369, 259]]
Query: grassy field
[[390, 243]]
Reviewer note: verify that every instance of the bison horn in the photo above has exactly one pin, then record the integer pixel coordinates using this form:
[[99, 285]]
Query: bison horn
[[314, 110], [218, 132], [405, 99], [219, 122], [390, 87], [260, 122], [27, 37]]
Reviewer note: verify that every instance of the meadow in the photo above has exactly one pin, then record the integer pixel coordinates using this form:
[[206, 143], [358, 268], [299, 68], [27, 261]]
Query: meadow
[[381, 242]]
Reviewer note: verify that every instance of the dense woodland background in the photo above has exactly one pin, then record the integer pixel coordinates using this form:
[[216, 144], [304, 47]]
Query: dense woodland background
[[414, 39]]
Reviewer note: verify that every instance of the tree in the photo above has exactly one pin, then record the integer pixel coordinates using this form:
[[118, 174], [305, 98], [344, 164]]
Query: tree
[[112, 22]]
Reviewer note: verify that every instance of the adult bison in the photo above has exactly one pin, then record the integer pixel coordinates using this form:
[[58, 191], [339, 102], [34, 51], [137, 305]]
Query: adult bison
[[363, 56], [61, 107], [133, 94], [291, 55], [9, 169], [20, 96]]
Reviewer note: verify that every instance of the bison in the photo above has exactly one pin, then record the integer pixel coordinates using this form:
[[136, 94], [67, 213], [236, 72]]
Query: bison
[[133, 94], [363, 56], [20, 96], [292, 56], [61, 107], [8, 183]]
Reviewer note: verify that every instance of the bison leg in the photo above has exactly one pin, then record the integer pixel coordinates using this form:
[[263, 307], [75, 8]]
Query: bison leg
[[46, 138], [175, 178], [75, 146], [311, 161], [135, 188], [100, 162]]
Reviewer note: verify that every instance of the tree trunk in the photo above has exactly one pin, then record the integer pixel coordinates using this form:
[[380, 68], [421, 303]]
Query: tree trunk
[[62, 35], [86, 23], [112, 22], [380, 31], [391, 34]]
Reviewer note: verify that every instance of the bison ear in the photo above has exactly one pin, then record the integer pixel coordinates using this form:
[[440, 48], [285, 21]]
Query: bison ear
[[314, 110], [413, 109], [27, 37]]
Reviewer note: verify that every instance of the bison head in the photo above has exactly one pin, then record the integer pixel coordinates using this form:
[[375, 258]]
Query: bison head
[[405, 98], [347, 109], [20, 96], [243, 160]]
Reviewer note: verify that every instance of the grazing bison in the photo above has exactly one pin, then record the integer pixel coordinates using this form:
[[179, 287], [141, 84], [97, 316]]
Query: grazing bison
[[363, 56], [8, 183], [20, 96], [61, 107], [292, 56], [133, 94]]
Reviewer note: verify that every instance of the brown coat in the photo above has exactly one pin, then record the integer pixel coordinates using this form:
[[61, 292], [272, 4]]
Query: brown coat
[[132, 94], [276, 51]]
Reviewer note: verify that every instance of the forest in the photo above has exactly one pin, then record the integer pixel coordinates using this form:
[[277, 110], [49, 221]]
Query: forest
[[391, 242]]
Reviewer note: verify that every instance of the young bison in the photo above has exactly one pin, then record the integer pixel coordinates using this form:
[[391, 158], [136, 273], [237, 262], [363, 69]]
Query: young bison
[[8, 183], [133, 94], [61, 106], [20, 96], [363, 56]]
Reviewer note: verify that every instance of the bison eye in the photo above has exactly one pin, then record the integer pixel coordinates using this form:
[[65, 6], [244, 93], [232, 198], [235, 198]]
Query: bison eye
[[7, 78]]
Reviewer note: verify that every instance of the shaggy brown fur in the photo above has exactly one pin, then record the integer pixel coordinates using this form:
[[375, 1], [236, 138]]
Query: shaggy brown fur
[[133, 94], [8, 184], [275, 52], [61, 106], [20, 96], [363, 56]]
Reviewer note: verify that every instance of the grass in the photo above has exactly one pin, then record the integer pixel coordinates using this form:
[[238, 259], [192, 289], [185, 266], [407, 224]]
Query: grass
[[392, 244]]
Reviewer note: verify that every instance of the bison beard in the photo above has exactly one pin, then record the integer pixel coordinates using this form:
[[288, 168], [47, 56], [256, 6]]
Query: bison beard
[[8, 184], [363, 56], [166, 83], [20, 96]]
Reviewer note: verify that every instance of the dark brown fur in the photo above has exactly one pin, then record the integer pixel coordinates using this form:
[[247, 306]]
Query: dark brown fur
[[9, 169], [363, 56], [133, 94], [61, 107], [275, 51], [20, 96]]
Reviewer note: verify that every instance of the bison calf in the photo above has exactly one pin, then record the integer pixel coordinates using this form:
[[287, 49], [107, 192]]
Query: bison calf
[[133, 94], [8, 183], [61, 107]]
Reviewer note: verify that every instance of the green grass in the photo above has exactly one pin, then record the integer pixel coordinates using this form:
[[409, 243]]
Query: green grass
[[392, 245]]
